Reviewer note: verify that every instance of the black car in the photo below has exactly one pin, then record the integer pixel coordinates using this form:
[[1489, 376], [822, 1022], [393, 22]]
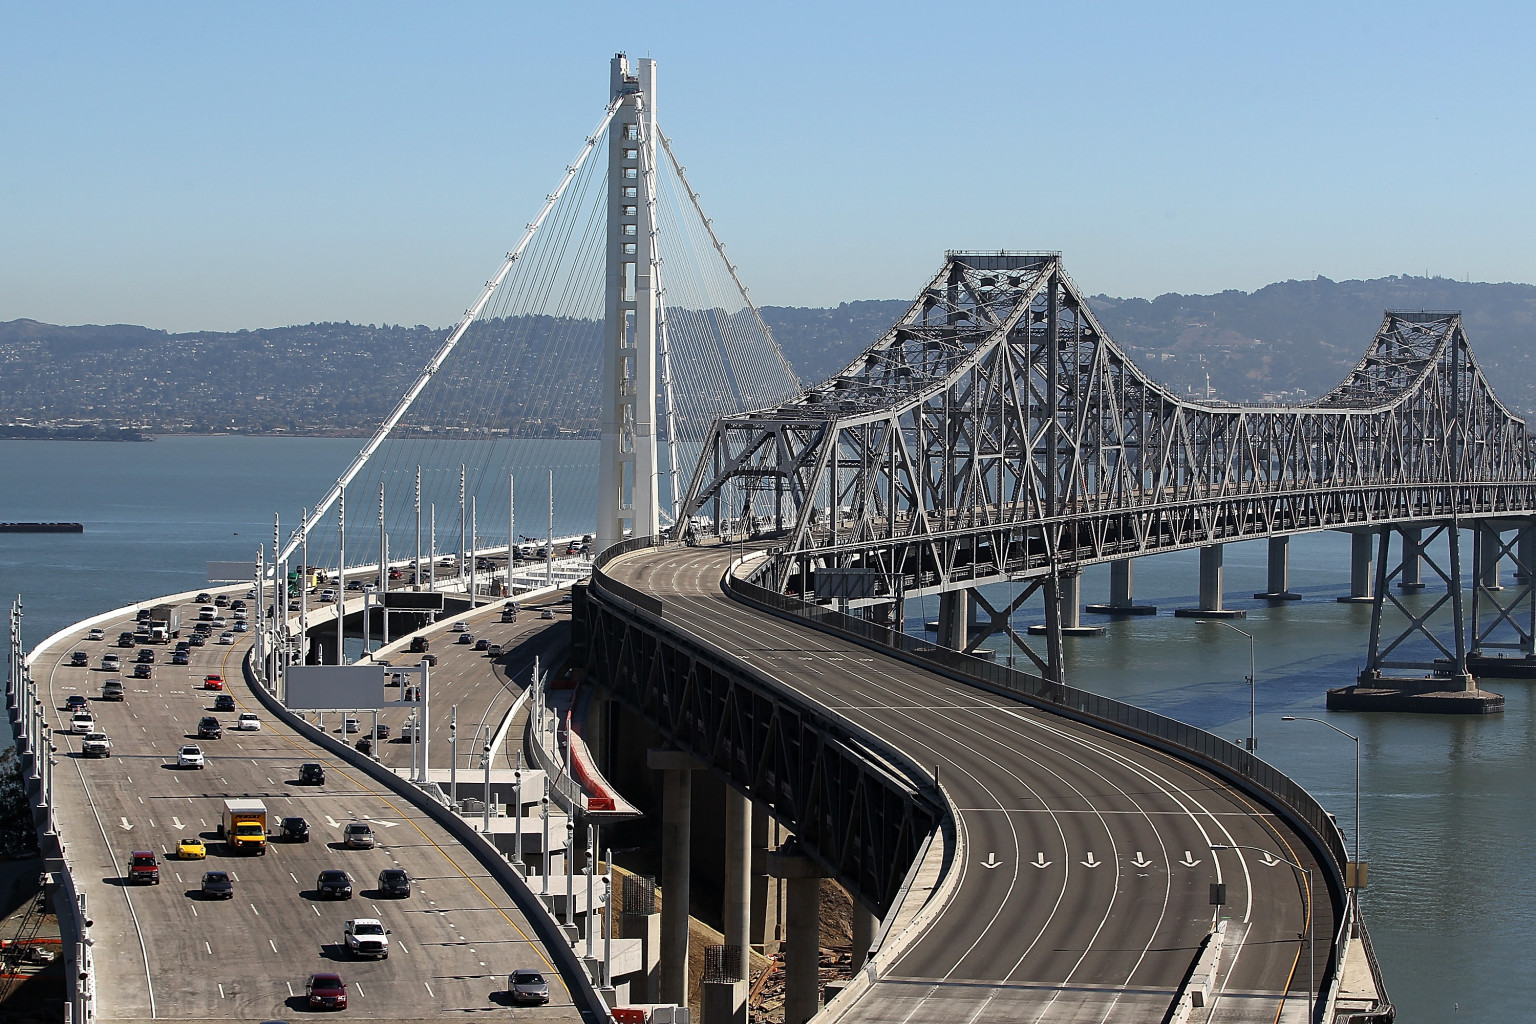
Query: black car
[[197, 639], [482, 644], [217, 886], [334, 885], [125, 638], [382, 731], [295, 830], [224, 702], [147, 655], [311, 774], [208, 728], [181, 658], [364, 745], [80, 659], [76, 701], [142, 616], [395, 883], [203, 598], [143, 671]]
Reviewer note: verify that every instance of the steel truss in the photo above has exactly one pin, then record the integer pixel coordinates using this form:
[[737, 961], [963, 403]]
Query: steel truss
[[835, 789], [997, 432]]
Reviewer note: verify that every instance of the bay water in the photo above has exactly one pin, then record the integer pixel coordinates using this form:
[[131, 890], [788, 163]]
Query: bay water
[[1448, 803]]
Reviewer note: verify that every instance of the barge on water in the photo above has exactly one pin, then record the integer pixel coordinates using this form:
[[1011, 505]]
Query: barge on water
[[42, 528]]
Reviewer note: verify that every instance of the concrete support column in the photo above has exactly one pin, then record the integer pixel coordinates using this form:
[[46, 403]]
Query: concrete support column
[[676, 840], [1412, 576], [802, 953], [1120, 590], [864, 924], [1525, 552], [1279, 572], [1488, 557], [1211, 578], [646, 927], [758, 917], [1362, 563], [737, 911], [1071, 591], [955, 619]]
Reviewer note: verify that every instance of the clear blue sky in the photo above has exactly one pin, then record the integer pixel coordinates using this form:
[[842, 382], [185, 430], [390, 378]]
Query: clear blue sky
[[216, 166]]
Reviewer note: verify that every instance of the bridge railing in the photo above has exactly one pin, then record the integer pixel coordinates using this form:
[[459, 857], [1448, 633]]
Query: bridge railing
[[1211, 748], [623, 591]]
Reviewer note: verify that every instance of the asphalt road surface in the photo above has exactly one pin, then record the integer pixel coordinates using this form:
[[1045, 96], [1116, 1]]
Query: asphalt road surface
[[1087, 863]]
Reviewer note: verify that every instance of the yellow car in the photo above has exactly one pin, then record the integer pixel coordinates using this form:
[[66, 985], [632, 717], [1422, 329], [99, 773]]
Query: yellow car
[[191, 849]]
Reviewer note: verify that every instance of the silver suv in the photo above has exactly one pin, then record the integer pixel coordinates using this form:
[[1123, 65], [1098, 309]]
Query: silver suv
[[358, 836]]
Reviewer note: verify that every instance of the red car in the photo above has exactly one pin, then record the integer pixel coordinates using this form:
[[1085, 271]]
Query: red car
[[143, 868], [213, 682], [326, 991]]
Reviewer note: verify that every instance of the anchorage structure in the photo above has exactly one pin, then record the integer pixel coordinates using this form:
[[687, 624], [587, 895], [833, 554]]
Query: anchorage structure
[[996, 432]]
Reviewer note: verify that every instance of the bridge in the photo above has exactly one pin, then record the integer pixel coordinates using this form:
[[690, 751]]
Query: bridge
[[1014, 847]]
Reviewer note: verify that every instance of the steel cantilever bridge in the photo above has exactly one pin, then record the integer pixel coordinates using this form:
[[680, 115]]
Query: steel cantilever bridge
[[996, 432]]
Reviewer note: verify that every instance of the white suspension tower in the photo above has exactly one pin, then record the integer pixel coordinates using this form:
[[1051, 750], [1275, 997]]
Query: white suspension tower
[[627, 479]]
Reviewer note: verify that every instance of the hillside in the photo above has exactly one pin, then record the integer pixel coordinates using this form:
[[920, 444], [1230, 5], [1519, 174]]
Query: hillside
[[1288, 341]]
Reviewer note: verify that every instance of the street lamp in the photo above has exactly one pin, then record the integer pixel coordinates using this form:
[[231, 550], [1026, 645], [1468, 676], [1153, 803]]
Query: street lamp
[[1253, 744], [1341, 732], [1311, 918]]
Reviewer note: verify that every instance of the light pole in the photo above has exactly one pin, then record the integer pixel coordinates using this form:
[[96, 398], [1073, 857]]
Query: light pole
[[1341, 732], [1311, 918], [1253, 744]]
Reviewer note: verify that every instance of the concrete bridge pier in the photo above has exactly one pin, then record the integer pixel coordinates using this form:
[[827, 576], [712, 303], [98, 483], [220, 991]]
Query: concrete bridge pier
[[1486, 541], [1361, 567], [1525, 553], [1410, 579], [1120, 586], [1070, 586], [802, 947], [864, 925], [676, 838], [1279, 572], [737, 910], [957, 609], [1211, 577]]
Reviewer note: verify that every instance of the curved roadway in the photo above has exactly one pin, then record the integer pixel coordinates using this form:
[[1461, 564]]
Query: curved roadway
[[1086, 858], [161, 952]]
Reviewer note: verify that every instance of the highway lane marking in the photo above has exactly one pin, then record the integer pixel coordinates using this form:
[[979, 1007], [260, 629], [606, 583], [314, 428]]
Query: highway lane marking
[[289, 984], [194, 912], [1188, 860], [176, 822], [221, 990], [992, 861], [152, 823], [1141, 860], [315, 909], [273, 945], [1040, 861], [126, 827], [429, 990], [294, 877], [1091, 861], [359, 986], [256, 912]]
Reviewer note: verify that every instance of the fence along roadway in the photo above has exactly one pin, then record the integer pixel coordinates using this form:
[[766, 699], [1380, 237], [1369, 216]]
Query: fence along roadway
[[1085, 880]]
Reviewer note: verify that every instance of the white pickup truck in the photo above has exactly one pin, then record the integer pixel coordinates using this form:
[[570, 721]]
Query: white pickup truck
[[367, 937]]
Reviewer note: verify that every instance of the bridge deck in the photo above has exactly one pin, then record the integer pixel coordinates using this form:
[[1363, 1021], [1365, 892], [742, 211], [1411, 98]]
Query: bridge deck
[[1084, 858]]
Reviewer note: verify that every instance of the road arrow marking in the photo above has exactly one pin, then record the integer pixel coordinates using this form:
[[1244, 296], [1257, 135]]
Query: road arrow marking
[[332, 822], [381, 821], [1091, 862], [992, 861], [1270, 860], [126, 827], [1188, 861], [1040, 861], [1141, 861]]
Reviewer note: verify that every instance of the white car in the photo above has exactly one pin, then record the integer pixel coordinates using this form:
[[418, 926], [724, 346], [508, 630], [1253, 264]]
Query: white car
[[461, 626], [191, 756], [110, 662], [82, 723], [367, 937], [327, 596], [248, 722], [226, 638], [97, 634], [96, 744]]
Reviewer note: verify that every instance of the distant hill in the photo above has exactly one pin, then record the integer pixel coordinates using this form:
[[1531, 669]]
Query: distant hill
[[1291, 340]]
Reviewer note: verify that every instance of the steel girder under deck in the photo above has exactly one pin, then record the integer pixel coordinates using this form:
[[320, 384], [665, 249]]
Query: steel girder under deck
[[997, 431], [841, 793]]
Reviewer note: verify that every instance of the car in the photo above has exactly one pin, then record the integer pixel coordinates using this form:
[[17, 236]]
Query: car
[[527, 987], [143, 868], [354, 584], [209, 728], [411, 693], [396, 574], [508, 615], [482, 644], [493, 650], [203, 598], [395, 883], [248, 722], [429, 659], [222, 601], [206, 613], [217, 886], [460, 626], [197, 640], [546, 614], [146, 656], [334, 885], [112, 690], [326, 991], [420, 644], [143, 671], [82, 722], [183, 645], [327, 596], [219, 622], [224, 702], [358, 835], [237, 606], [311, 774], [466, 638], [75, 701], [191, 756], [226, 638], [408, 730], [381, 731], [110, 662], [241, 626], [191, 848], [350, 724], [365, 745], [181, 658], [79, 659], [370, 588], [213, 682], [142, 615], [366, 937], [294, 830], [96, 633], [96, 744]]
